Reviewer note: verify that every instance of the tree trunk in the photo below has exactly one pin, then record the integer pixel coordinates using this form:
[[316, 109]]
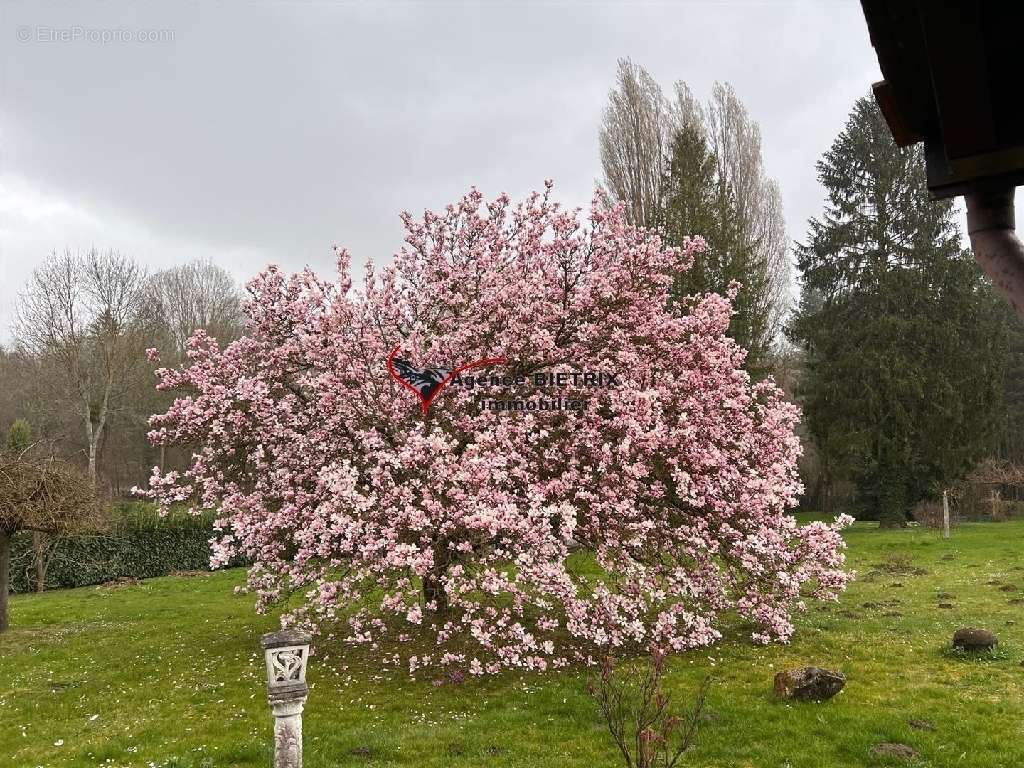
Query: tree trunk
[[823, 498], [39, 552], [94, 432], [5, 576], [92, 461], [434, 592]]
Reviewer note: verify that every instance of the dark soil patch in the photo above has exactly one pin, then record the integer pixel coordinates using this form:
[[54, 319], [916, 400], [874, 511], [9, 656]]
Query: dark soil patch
[[900, 564], [893, 749]]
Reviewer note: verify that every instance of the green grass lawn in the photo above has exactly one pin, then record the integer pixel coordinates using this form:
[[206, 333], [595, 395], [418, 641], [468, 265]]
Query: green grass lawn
[[168, 673]]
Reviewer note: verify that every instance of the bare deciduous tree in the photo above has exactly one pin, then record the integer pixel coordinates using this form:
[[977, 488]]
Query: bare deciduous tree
[[196, 295], [735, 140], [87, 313], [634, 137]]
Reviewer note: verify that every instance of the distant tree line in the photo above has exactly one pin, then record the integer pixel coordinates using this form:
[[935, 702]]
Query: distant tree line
[[77, 371], [75, 400]]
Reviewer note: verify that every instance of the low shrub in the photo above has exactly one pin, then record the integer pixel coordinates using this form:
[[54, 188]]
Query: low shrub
[[639, 715], [138, 544]]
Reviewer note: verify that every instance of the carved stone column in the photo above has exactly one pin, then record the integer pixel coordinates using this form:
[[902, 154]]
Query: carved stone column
[[286, 655], [287, 731]]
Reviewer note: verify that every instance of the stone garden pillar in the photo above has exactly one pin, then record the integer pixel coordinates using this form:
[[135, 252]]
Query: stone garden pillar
[[286, 653]]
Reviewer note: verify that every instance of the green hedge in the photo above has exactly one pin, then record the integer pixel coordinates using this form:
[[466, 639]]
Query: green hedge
[[139, 544]]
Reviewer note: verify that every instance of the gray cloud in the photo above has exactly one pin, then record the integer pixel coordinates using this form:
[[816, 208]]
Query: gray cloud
[[249, 133]]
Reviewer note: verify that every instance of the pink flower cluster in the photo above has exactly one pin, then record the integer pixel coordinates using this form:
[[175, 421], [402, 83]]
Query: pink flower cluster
[[465, 525]]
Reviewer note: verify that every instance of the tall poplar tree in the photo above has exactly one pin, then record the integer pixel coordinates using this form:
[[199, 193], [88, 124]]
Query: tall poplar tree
[[905, 342], [714, 185], [698, 199], [687, 168]]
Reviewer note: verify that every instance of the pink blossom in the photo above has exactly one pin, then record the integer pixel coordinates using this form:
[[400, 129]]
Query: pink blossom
[[327, 475]]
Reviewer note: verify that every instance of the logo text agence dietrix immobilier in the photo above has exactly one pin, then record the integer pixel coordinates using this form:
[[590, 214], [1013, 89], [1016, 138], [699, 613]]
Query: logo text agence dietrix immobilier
[[427, 384]]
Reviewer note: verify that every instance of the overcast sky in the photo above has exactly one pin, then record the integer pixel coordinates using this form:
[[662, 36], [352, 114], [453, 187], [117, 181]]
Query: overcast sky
[[249, 133]]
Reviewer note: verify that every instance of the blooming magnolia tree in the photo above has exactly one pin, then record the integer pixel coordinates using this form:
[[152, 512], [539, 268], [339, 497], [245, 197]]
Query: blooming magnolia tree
[[674, 483]]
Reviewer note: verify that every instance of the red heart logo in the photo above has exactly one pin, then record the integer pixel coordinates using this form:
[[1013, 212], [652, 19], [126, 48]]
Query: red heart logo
[[427, 383]]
